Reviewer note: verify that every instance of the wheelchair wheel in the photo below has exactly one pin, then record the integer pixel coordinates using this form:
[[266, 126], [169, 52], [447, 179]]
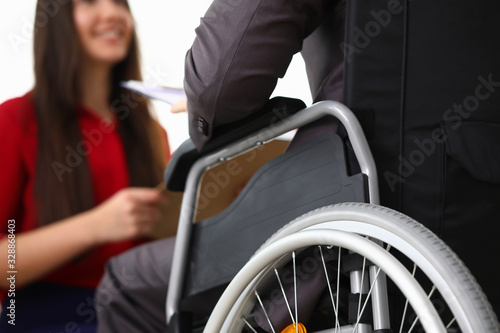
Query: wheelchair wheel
[[333, 263]]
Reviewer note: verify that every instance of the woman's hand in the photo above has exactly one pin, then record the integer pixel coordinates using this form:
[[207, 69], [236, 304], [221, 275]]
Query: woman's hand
[[130, 213], [180, 106]]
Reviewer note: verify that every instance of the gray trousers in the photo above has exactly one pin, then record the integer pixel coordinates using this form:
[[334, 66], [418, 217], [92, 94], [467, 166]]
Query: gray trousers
[[131, 295]]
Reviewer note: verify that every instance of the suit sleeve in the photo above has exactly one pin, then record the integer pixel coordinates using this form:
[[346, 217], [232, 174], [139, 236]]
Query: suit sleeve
[[241, 49]]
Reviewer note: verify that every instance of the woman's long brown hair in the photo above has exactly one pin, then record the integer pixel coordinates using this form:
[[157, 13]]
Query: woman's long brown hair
[[63, 180]]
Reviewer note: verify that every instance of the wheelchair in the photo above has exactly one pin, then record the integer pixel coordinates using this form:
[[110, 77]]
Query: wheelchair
[[306, 247]]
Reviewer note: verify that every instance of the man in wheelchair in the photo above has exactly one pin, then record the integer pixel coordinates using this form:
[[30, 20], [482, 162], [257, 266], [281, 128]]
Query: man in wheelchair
[[421, 77]]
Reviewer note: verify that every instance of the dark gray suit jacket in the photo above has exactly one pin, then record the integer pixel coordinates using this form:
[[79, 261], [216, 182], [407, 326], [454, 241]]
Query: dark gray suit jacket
[[243, 47]]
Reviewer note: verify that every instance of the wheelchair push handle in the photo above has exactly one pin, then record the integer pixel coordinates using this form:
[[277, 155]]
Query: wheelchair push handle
[[354, 131]]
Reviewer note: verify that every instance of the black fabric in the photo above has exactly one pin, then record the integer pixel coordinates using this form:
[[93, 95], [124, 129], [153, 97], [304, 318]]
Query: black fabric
[[186, 155], [180, 323], [354, 309], [475, 146], [66, 309], [310, 176], [423, 77], [373, 74], [354, 261]]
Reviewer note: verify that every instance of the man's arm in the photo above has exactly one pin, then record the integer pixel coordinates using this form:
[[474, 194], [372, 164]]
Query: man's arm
[[241, 49]]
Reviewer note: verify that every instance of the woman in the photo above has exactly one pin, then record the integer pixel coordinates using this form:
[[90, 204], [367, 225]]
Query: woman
[[81, 158]]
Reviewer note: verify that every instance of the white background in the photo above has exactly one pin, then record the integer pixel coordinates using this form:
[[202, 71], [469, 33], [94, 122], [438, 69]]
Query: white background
[[166, 31]]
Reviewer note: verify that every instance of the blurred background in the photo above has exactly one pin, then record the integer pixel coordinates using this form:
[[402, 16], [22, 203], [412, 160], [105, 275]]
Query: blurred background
[[166, 31]]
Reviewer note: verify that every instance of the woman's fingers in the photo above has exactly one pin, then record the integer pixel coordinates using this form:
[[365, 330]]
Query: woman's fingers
[[130, 213], [180, 106]]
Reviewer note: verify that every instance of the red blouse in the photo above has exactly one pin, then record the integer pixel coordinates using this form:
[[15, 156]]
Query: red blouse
[[18, 148]]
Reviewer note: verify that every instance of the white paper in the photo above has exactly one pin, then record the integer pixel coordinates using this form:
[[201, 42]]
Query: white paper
[[166, 94]]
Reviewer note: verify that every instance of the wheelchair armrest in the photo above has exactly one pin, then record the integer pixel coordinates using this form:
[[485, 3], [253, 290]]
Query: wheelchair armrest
[[186, 155]]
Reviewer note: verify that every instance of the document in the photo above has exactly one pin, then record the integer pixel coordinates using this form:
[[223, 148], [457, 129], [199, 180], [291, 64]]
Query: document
[[166, 94]]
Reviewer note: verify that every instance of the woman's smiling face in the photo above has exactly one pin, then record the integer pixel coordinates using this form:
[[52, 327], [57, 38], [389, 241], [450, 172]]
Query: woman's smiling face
[[104, 28]]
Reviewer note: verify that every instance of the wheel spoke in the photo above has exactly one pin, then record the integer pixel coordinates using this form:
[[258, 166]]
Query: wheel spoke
[[361, 285], [335, 310], [451, 322], [248, 325], [265, 312], [338, 287], [406, 303], [284, 294], [369, 292], [366, 300], [416, 319], [295, 292]]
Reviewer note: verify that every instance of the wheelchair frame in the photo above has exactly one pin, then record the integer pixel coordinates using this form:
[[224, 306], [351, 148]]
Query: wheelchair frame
[[303, 117], [314, 112]]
